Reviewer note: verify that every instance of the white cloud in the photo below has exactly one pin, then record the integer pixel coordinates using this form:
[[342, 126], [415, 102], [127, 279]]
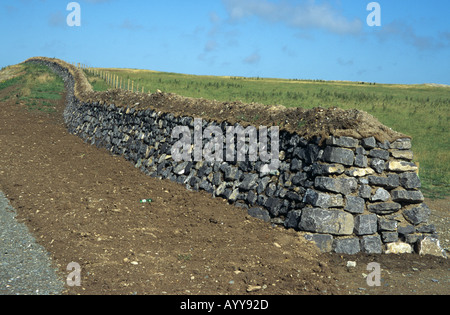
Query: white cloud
[[399, 30], [303, 15], [253, 58]]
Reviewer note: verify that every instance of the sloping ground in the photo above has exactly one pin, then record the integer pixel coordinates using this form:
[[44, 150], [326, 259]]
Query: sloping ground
[[82, 205], [309, 123]]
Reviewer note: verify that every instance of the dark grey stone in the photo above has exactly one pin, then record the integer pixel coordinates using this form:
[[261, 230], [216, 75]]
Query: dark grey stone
[[371, 244], [338, 155], [365, 191], [380, 195], [250, 182], [379, 153], [259, 213], [349, 246], [409, 180], [361, 160], [322, 200], [180, 168], [293, 219], [354, 204], [369, 143], [262, 184], [274, 206], [326, 221], [366, 224], [299, 179], [281, 192], [404, 230], [296, 165], [294, 196], [410, 196], [389, 237], [360, 151], [217, 179], [384, 207], [311, 153], [387, 225], [271, 189], [327, 169], [393, 181], [205, 185], [417, 215], [231, 173], [346, 142], [252, 197], [430, 228], [378, 181], [378, 165], [261, 201], [384, 145], [343, 185]]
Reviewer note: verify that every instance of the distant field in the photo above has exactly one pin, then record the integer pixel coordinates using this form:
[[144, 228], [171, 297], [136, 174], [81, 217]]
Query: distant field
[[420, 111]]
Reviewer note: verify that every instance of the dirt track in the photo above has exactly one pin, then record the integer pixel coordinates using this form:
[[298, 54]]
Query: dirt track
[[82, 205]]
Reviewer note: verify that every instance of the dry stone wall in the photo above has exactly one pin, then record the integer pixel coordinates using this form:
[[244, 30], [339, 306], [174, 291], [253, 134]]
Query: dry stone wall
[[347, 195]]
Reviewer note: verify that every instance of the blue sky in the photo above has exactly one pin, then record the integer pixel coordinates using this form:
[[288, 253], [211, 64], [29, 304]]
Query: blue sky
[[302, 39]]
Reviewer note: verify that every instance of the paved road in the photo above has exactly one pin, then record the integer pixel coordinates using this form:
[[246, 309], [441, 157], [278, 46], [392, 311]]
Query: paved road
[[25, 266]]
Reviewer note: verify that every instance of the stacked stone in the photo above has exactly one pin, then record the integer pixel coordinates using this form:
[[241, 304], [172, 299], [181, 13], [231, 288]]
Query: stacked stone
[[347, 195], [352, 195], [367, 195]]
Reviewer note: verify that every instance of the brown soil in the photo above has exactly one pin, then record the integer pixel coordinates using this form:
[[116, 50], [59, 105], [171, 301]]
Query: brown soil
[[82, 205]]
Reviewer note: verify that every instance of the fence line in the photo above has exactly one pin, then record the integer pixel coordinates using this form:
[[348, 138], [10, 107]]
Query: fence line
[[112, 80]]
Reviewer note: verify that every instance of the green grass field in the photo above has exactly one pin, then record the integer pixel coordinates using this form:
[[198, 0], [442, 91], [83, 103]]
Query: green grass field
[[420, 111], [35, 86]]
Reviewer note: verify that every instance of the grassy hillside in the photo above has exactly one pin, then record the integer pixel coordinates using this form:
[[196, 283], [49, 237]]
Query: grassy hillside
[[34, 85], [420, 111]]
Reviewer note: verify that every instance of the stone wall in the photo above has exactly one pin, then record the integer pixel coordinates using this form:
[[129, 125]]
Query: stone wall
[[347, 195]]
